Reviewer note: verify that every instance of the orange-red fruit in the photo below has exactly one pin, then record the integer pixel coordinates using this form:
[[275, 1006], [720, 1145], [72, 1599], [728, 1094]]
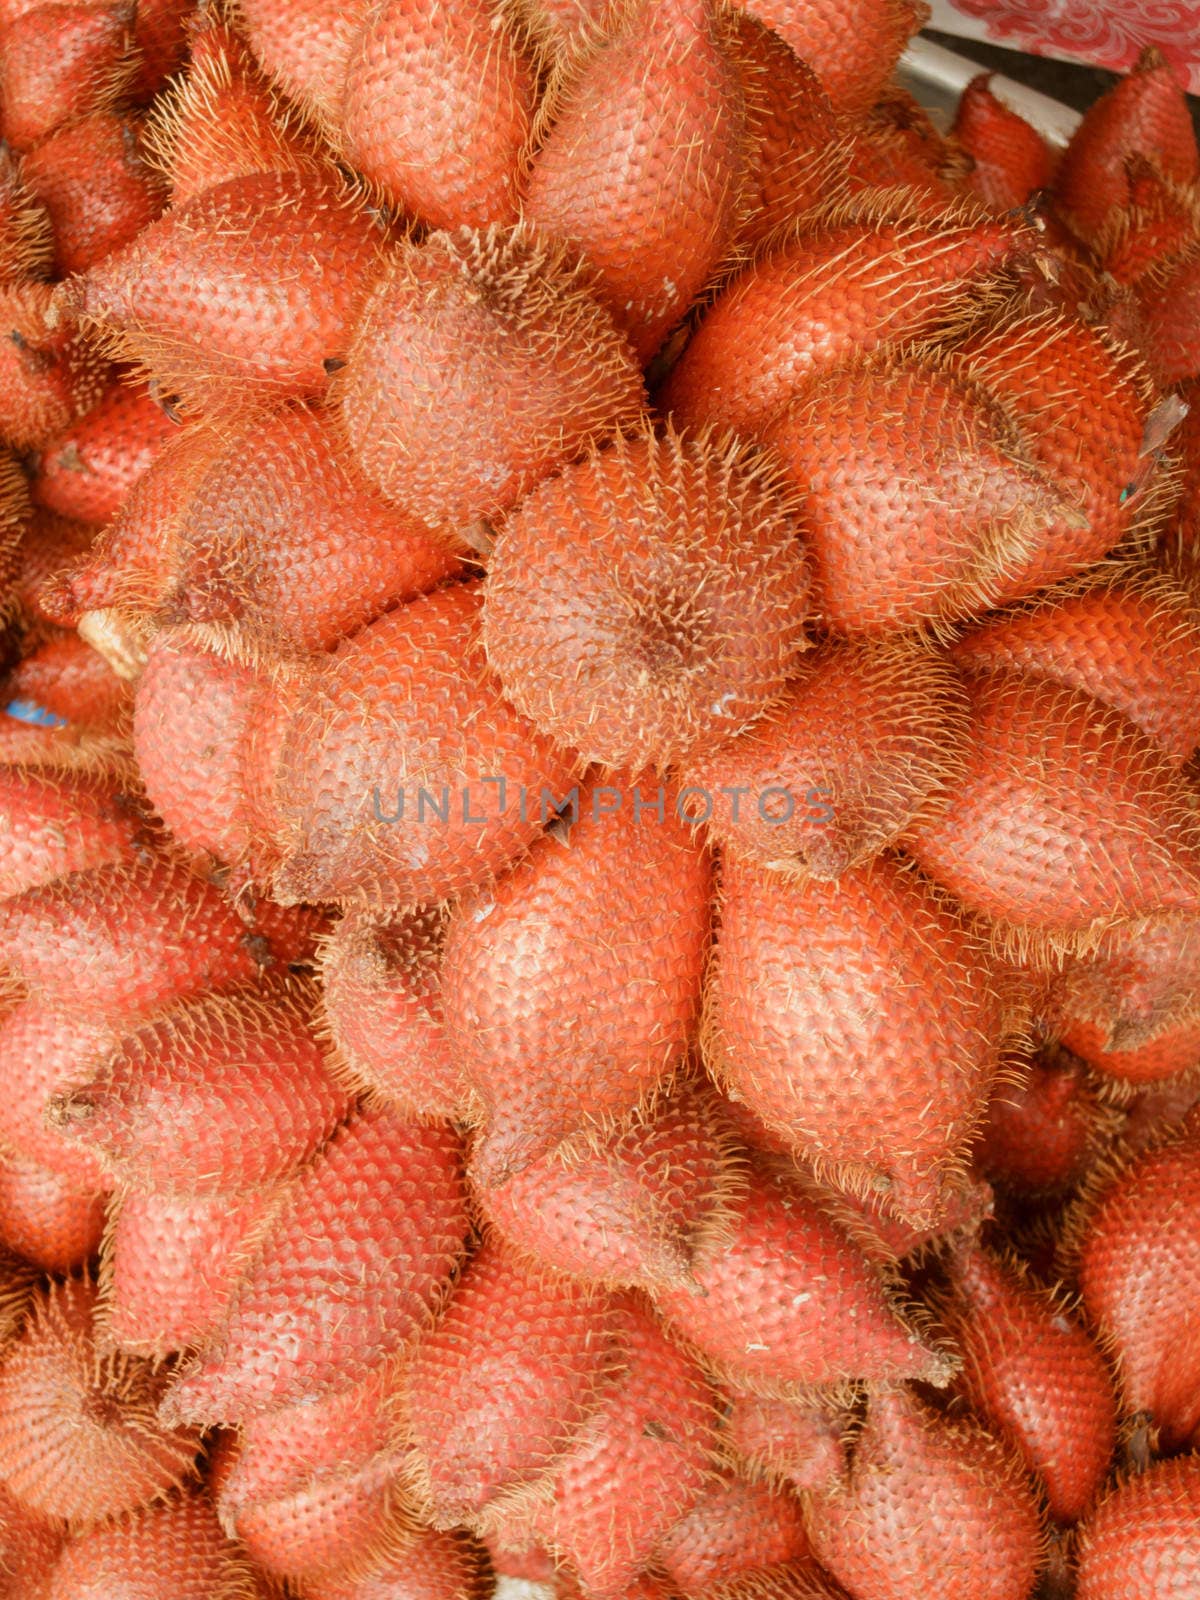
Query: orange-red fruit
[[861, 1020], [48, 376], [46, 1218], [97, 188], [174, 1551], [171, 1263], [1011, 160], [496, 1389], [25, 239], [925, 1496], [480, 362], [78, 1435], [44, 1052], [1144, 1537], [1065, 813], [736, 1529], [781, 1297], [403, 771], [1040, 1135], [245, 291], [311, 1489], [48, 545], [1139, 1273], [650, 601], [854, 277], [565, 1008], [218, 1093], [345, 1275], [639, 167], [864, 742], [67, 678], [303, 46], [852, 48], [427, 1565], [29, 1548], [436, 109], [797, 1441], [1168, 303], [638, 1462], [61, 822], [1034, 1376], [630, 1208], [59, 62], [1145, 114], [917, 499], [86, 471], [968, 1203]]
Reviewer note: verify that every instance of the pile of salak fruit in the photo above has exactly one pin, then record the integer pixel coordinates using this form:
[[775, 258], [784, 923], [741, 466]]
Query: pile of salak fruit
[[599, 812]]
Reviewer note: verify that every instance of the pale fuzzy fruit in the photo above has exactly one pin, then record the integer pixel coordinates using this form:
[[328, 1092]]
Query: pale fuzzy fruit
[[650, 601], [424, 1565], [737, 1529], [45, 1052], [173, 1551], [48, 1219], [1143, 1538], [59, 822], [78, 1435], [558, 1035], [799, 1442]]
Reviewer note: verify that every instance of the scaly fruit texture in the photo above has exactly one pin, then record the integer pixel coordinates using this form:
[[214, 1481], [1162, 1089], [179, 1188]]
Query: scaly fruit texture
[[799, 1442], [1143, 1537], [737, 1529], [29, 1547], [86, 471], [1043, 1129], [47, 1218], [59, 822], [424, 1565], [557, 1036], [59, 62], [1010, 159], [853, 49], [48, 375]]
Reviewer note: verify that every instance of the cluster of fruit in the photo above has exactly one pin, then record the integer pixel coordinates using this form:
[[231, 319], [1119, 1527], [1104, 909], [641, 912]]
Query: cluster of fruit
[[599, 827]]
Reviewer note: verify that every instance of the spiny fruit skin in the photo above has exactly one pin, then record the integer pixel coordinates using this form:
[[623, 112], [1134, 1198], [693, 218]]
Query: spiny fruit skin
[[381, 988], [499, 1385], [244, 291], [781, 1298], [917, 498], [852, 49], [1146, 114], [303, 47], [57, 822], [173, 1551], [861, 1020], [1143, 1538], [1040, 1135], [1133, 642], [57, 63], [25, 239], [560, 1034], [630, 1208], [1011, 160], [1032, 1373], [86, 471], [65, 676], [48, 376], [170, 1264], [345, 1275], [44, 1052], [437, 105], [736, 1528], [427, 1565], [798, 1442], [29, 1547], [404, 775], [78, 1436], [46, 1218], [218, 1093], [637, 1463], [1065, 813], [926, 1495], [479, 363], [855, 276], [650, 600], [1139, 1265], [863, 742], [97, 188], [638, 165]]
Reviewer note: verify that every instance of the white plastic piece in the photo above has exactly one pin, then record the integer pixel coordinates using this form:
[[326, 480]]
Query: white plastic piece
[[938, 76]]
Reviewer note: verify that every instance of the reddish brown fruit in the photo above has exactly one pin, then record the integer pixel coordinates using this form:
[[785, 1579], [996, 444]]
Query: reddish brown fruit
[[1011, 160], [1145, 114], [737, 1529], [629, 1209], [1139, 1273], [1034, 1376], [86, 471], [853, 49], [797, 1441], [61, 822], [25, 237], [46, 1218], [498, 1387], [78, 1436], [220, 1093], [480, 363], [59, 62], [781, 1298], [311, 1489], [1144, 1538], [1158, 224], [436, 109], [402, 770], [926, 1495], [174, 1551], [346, 1274], [29, 1548], [1168, 301], [968, 1204], [650, 601], [639, 167], [855, 276], [48, 376], [97, 188], [1043, 1132], [861, 1020], [637, 1463], [48, 544], [1066, 813], [304, 46], [244, 292], [424, 1566], [67, 678], [160, 33], [545, 1062], [170, 1266]]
